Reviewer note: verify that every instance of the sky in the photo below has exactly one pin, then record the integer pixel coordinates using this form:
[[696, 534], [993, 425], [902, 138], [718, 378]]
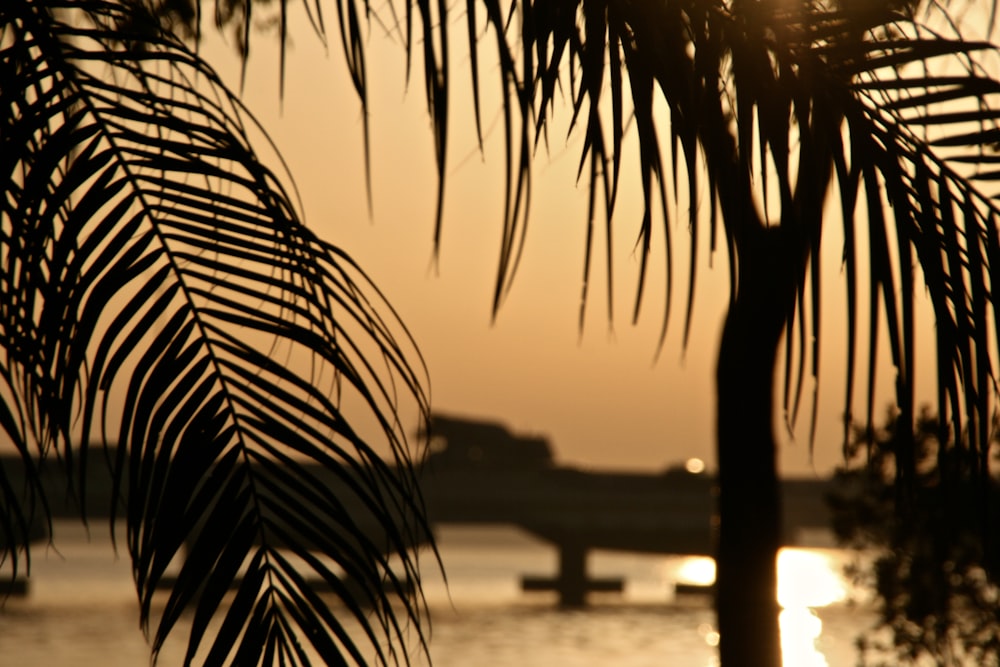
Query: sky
[[607, 396]]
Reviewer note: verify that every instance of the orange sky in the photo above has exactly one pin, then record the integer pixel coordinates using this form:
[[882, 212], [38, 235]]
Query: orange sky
[[601, 397]]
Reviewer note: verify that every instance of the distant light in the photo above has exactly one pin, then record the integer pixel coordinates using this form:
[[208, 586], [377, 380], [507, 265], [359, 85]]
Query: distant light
[[806, 578], [698, 570], [695, 466]]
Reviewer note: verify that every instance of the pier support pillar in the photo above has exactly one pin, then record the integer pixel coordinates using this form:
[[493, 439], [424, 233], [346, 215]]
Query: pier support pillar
[[572, 579], [571, 582]]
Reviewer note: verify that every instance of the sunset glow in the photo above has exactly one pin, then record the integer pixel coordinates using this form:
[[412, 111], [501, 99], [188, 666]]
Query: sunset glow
[[807, 580]]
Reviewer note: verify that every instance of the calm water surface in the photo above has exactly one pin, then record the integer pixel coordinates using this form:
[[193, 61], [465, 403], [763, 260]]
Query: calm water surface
[[81, 609]]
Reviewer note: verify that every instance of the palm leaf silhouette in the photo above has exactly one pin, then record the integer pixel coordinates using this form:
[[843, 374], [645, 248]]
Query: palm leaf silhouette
[[160, 292]]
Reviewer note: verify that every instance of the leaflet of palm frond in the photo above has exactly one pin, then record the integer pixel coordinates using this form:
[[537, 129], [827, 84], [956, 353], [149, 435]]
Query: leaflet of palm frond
[[152, 261]]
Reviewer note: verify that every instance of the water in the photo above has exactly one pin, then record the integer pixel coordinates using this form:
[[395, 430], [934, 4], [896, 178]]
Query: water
[[81, 610]]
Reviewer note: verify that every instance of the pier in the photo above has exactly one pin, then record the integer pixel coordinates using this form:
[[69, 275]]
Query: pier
[[478, 472]]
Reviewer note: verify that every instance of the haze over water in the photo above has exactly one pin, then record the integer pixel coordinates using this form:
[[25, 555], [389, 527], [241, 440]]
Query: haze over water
[[81, 610]]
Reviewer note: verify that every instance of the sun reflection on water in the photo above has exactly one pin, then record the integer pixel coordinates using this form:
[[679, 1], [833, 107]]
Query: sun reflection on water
[[800, 628], [807, 579]]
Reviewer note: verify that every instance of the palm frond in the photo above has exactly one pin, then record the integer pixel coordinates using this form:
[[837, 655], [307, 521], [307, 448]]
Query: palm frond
[[923, 110], [160, 292], [772, 105]]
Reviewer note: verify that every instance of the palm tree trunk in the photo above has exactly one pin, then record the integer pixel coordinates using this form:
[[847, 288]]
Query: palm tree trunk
[[749, 505]]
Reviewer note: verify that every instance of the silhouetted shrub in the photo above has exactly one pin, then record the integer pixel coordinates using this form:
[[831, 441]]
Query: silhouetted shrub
[[931, 531]]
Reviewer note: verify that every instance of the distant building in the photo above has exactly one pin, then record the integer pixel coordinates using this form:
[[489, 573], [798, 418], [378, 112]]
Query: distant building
[[468, 444]]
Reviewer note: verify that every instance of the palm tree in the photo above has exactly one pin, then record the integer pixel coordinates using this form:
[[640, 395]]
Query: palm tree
[[780, 116], [775, 113], [159, 293]]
